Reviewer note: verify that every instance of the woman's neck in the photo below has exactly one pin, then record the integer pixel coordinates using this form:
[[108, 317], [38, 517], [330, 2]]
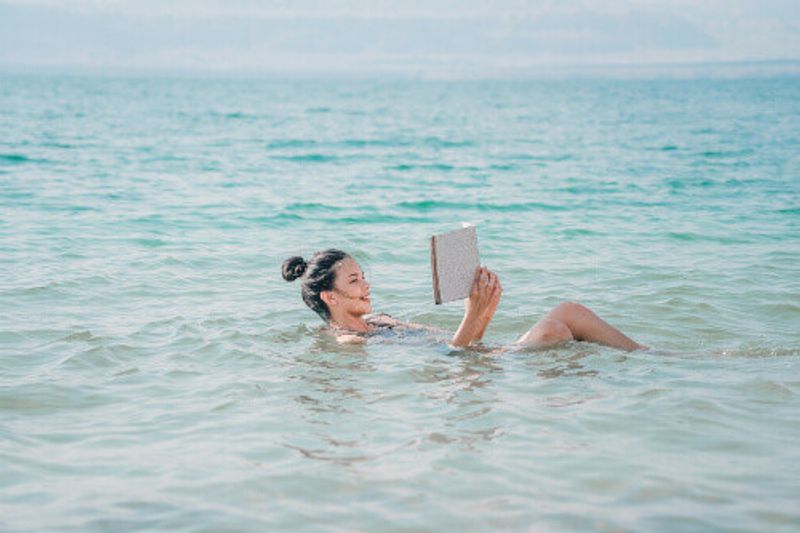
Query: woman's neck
[[350, 323]]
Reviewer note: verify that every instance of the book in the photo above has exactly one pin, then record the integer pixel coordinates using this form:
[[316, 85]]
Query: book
[[454, 258]]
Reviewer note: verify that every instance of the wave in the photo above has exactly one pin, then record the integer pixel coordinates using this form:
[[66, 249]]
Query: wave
[[281, 219], [764, 350], [438, 142], [366, 143], [554, 157], [697, 237], [579, 232], [431, 205], [378, 218], [17, 195], [18, 159], [308, 158], [312, 207], [403, 167], [721, 154], [278, 220], [291, 143]]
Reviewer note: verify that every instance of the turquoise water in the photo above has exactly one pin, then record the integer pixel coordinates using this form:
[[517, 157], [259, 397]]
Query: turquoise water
[[156, 372]]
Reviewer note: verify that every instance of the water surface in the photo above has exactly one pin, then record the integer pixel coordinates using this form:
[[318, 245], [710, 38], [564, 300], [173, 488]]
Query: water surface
[[156, 372]]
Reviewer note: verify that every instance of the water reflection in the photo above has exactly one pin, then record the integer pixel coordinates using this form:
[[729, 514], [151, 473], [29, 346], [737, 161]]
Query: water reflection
[[563, 360], [330, 377], [346, 453], [465, 382], [359, 403], [333, 385], [458, 375]]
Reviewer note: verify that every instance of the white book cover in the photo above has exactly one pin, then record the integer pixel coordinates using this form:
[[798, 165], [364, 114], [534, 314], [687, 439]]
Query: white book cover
[[454, 258]]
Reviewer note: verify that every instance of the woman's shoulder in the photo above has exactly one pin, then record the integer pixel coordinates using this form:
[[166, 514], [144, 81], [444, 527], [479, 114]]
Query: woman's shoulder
[[382, 320], [383, 326], [378, 322], [350, 338]]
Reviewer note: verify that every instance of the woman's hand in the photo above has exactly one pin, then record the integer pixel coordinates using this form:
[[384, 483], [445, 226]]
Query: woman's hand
[[493, 285], [485, 294], [479, 307]]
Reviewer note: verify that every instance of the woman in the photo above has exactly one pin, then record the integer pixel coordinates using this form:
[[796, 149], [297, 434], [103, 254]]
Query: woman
[[333, 285]]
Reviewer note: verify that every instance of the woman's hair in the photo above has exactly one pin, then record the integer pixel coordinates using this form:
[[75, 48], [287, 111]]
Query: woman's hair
[[317, 275]]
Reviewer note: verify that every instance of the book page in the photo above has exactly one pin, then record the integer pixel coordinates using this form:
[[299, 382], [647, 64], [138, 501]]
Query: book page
[[454, 258]]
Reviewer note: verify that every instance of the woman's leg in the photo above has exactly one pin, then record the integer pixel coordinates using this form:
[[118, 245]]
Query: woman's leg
[[569, 321]]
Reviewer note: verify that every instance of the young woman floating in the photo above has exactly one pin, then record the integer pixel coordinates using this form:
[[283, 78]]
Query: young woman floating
[[333, 286]]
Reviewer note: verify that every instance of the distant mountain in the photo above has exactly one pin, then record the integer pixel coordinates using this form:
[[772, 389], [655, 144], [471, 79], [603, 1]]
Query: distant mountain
[[54, 37]]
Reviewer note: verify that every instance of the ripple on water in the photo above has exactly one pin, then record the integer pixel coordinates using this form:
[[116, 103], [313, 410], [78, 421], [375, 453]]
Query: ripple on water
[[50, 398], [17, 159]]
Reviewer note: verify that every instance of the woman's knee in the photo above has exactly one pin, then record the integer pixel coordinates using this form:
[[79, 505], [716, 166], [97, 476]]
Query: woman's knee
[[555, 331], [566, 311], [546, 332]]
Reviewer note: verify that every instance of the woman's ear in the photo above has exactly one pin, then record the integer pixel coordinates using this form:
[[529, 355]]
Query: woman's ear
[[328, 297]]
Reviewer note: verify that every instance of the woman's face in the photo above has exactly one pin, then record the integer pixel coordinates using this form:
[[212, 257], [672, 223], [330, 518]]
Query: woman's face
[[351, 289]]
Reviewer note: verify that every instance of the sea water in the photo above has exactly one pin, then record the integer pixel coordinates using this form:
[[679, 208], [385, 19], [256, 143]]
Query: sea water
[[157, 372]]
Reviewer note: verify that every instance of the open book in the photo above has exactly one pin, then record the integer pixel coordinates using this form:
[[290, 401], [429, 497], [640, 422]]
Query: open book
[[454, 258]]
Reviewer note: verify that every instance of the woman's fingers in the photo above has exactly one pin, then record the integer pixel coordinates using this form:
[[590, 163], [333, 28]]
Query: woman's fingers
[[487, 279], [485, 291], [476, 282], [495, 289], [486, 282]]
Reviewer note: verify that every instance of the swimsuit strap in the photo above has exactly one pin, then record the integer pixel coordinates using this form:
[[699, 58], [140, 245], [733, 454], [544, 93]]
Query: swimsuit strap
[[381, 320]]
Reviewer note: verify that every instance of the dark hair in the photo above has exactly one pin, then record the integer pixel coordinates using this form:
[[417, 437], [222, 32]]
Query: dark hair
[[318, 275]]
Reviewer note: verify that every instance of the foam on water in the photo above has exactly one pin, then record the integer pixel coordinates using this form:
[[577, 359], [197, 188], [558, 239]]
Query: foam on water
[[157, 372]]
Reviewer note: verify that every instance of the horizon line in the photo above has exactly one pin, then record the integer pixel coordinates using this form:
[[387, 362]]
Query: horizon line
[[735, 68]]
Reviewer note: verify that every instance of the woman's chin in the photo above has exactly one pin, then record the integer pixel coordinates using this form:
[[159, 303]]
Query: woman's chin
[[367, 306]]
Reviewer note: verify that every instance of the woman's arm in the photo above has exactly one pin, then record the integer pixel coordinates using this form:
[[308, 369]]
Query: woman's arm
[[487, 316]]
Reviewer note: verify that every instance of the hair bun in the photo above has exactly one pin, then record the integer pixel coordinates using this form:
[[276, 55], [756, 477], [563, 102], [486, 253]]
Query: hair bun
[[293, 268]]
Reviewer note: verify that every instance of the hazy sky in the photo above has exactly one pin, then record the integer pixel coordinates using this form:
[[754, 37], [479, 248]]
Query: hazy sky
[[401, 36]]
